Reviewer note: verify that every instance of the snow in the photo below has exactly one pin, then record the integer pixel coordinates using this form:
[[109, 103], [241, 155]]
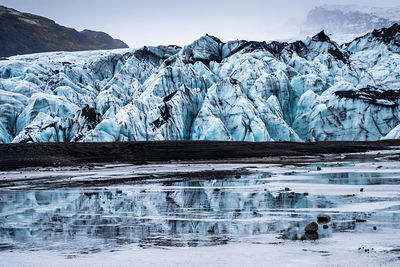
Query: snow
[[207, 90], [309, 254], [347, 20], [392, 13]]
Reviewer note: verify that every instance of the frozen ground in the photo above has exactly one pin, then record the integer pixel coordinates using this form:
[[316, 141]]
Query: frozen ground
[[208, 214]]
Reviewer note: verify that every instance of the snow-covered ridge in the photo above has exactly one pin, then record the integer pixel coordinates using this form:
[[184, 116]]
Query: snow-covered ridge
[[349, 19], [392, 13], [310, 90]]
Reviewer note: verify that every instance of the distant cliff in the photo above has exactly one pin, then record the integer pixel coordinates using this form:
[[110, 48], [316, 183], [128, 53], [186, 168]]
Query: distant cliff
[[23, 33], [349, 19]]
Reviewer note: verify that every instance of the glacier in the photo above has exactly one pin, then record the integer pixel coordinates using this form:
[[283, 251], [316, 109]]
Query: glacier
[[308, 90]]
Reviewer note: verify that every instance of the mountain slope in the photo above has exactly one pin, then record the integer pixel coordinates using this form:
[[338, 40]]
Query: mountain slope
[[349, 19], [22, 33], [310, 90]]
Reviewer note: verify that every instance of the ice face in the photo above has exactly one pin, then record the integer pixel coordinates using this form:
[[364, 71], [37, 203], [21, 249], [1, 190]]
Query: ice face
[[310, 90]]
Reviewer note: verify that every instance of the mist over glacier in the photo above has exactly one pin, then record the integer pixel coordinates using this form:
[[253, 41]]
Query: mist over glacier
[[310, 90]]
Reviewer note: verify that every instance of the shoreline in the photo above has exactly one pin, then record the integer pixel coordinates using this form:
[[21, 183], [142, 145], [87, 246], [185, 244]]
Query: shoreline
[[15, 156]]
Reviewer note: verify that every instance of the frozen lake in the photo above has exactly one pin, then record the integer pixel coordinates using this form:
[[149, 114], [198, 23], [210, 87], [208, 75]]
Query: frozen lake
[[203, 214]]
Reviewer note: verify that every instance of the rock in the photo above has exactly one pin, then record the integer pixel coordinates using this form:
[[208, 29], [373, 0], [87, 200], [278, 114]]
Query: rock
[[26, 33], [348, 19], [361, 189], [323, 218], [287, 189], [311, 235], [325, 226], [311, 228], [318, 168]]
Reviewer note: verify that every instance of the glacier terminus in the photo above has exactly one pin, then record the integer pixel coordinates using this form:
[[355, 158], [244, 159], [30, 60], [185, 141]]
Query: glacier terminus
[[309, 90]]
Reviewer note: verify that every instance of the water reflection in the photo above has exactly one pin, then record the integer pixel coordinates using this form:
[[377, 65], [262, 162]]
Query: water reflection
[[192, 213]]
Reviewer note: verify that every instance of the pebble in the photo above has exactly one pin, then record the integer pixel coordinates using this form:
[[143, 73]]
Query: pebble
[[323, 218], [311, 227]]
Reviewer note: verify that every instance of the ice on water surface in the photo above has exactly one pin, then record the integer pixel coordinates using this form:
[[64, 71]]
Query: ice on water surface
[[269, 206]]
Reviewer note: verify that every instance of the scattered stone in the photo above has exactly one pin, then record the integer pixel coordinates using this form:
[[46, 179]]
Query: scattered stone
[[323, 218], [325, 226], [374, 228], [237, 176], [287, 189], [318, 168], [361, 189], [311, 235], [119, 191], [290, 196], [311, 227], [306, 193], [360, 220], [379, 167]]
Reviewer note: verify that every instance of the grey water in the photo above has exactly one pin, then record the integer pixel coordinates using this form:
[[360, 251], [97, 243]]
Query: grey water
[[277, 200]]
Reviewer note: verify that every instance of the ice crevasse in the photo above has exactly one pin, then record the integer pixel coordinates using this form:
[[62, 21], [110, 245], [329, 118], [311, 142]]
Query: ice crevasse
[[309, 90]]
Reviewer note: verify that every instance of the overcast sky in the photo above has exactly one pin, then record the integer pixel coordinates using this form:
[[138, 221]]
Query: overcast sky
[[153, 22]]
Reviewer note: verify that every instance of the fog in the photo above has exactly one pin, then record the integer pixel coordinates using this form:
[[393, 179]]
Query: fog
[[154, 22]]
